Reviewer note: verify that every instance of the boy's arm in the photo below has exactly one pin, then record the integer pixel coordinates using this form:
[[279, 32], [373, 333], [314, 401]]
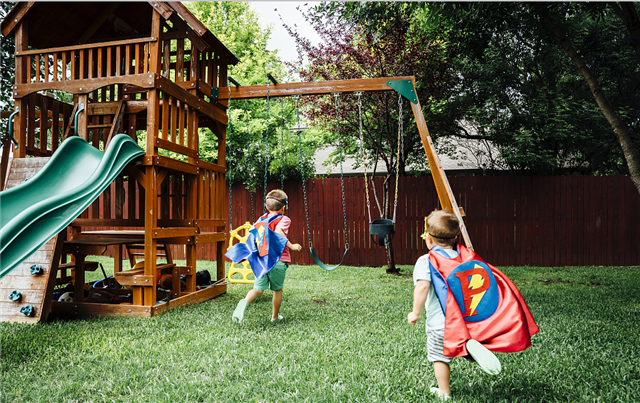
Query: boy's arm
[[420, 293], [293, 246]]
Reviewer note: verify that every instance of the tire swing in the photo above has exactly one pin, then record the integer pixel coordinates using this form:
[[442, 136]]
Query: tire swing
[[304, 190], [383, 228]]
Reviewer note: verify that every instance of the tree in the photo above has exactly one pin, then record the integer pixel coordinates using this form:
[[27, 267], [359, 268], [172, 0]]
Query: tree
[[354, 54], [236, 25], [519, 89], [7, 61]]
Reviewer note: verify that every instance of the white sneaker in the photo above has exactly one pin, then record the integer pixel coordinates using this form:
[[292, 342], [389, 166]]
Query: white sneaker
[[484, 357], [436, 391], [280, 317], [238, 313]]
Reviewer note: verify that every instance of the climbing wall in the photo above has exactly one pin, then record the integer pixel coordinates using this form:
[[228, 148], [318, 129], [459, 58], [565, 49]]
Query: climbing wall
[[26, 292]]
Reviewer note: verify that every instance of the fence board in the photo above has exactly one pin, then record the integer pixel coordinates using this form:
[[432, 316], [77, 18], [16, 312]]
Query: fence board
[[538, 221]]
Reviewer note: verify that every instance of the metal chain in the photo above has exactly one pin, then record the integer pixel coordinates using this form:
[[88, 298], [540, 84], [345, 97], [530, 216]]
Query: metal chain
[[364, 162], [336, 95], [282, 145], [304, 188], [266, 152], [253, 213], [229, 171], [400, 141]]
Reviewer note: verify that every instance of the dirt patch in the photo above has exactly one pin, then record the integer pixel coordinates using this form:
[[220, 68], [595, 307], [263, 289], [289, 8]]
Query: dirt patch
[[320, 302]]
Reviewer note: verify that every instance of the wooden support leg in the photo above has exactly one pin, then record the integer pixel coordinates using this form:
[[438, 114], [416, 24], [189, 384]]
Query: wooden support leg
[[137, 296], [220, 260], [79, 279]]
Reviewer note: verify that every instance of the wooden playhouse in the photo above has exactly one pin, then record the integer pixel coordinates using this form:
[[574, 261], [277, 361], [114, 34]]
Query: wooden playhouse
[[153, 71], [147, 69]]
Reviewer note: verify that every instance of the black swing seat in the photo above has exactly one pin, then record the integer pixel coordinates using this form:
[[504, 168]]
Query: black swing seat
[[382, 227]]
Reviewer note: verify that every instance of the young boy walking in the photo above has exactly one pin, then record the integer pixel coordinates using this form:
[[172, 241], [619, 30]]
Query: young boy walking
[[442, 229], [276, 203]]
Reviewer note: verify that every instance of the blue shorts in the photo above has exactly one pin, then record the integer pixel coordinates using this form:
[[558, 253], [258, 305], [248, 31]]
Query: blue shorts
[[274, 278]]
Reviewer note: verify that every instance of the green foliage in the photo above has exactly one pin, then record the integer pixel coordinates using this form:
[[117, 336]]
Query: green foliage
[[7, 62], [345, 338], [236, 25], [518, 87]]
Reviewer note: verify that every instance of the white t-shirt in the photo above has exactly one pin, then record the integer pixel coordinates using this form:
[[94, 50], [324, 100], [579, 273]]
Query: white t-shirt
[[433, 310]]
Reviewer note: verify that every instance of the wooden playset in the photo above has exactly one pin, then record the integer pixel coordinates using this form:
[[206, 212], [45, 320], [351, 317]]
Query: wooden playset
[[150, 70]]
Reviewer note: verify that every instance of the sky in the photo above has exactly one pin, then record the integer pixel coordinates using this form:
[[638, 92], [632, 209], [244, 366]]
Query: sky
[[280, 39]]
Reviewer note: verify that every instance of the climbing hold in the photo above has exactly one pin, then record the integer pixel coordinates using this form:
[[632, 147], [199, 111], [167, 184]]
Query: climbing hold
[[36, 270], [15, 296], [27, 310]]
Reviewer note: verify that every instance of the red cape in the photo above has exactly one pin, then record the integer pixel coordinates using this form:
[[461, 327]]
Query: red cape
[[479, 303]]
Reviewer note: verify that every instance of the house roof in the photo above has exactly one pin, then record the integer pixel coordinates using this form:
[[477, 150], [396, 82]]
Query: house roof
[[465, 162], [57, 24]]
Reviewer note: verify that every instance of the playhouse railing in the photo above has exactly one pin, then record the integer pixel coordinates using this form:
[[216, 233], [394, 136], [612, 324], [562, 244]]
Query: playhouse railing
[[97, 60]]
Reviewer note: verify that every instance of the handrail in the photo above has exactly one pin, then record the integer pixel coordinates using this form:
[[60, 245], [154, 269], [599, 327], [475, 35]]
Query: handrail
[[15, 142], [75, 121], [88, 46]]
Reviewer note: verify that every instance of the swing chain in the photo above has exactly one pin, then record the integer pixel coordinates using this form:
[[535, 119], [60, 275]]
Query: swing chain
[[400, 147], [336, 95], [253, 214], [266, 151], [282, 145], [229, 171], [304, 188], [364, 162]]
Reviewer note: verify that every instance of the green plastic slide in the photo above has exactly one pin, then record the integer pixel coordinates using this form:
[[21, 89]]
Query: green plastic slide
[[39, 208]]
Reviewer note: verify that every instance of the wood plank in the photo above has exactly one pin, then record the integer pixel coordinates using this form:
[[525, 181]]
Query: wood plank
[[115, 128], [169, 163], [201, 105], [84, 86], [85, 47], [308, 88]]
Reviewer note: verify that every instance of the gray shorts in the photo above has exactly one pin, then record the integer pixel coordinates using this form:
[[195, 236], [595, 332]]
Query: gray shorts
[[435, 346]]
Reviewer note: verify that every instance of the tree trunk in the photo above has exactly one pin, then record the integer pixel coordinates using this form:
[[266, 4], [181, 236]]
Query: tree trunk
[[386, 191], [619, 127]]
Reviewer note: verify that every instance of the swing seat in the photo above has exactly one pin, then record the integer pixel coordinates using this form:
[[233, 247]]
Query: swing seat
[[382, 227]]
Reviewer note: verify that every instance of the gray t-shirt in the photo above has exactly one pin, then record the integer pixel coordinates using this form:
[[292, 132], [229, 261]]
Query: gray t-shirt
[[433, 310]]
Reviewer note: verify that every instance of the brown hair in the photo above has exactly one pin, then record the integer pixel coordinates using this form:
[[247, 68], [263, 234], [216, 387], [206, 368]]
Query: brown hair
[[276, 199], [443, 226]]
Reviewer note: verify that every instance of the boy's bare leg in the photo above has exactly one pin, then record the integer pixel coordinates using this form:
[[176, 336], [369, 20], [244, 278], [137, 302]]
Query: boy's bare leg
[[253, 295], [443, 373], [277, 301]]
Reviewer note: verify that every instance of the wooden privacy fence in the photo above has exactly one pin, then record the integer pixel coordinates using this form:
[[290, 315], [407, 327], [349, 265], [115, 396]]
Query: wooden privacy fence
[[512, 220]]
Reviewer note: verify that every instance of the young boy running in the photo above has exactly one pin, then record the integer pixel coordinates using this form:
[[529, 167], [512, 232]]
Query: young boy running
[[442, 230], [276, 203]]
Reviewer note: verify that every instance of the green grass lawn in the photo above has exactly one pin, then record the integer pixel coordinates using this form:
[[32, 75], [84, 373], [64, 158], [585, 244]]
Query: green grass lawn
[[344, 339]]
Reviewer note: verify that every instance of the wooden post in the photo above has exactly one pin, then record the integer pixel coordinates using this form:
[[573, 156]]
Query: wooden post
[[445, 194], [150, 243], [21, 43], [83, 122]]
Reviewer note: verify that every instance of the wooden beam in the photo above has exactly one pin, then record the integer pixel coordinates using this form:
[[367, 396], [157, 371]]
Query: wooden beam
[[166, 162], [199, 104], [15, 16], [188, 32], [309, 88], [85, 86], [87, 46], [117, 121], [160, 233], [445, 194], [191, 19], [162, 8]]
